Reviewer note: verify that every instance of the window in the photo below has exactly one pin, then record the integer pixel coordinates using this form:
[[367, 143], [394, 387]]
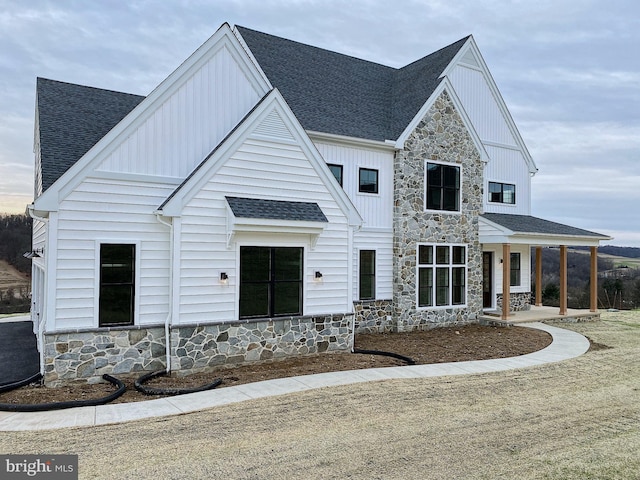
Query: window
[[368, 180], [442, 271], [515, 270], [443, 187], [502, 193], [367, 274], [270, 281], [337, 171], [117, 284]]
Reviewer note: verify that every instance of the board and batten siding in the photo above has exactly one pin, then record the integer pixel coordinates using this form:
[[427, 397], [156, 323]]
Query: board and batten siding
[[507, 163], [101, 210], [376, 210], [179, 134], [269, 169]]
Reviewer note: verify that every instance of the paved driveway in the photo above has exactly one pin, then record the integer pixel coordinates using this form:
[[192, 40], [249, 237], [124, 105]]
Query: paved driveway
[[18, 352]]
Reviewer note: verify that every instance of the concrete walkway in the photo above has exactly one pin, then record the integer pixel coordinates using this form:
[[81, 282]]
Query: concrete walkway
[[566, 344]]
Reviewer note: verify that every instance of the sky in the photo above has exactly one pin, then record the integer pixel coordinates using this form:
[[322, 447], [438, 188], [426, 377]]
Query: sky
[[568, 71]]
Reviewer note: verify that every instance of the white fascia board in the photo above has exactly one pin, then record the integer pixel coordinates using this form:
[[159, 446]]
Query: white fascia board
[[222, 38], [248, 51], [445, 85], [351, 141], [471, 45]]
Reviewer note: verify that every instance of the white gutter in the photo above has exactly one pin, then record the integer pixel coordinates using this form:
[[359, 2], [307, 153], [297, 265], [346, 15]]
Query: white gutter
[[43, 318], [167, 322]]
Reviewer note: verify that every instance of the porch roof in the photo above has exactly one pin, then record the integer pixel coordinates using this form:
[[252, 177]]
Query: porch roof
[[525, 229]]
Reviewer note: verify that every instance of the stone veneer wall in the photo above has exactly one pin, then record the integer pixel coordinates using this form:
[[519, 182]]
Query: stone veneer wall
[[518, 302], [374, 316], [440, 136], [87, 355]]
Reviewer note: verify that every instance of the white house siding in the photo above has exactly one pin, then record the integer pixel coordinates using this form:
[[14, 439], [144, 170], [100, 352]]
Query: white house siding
[[267, 169], [508, 166], [480, 105], [382, 242], [179, 134], [101, 210], [525, 266], [375, 209]]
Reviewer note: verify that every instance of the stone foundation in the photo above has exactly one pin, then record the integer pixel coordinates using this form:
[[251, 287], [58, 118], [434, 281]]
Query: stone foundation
[[87, 355], [519, 302], [374, 316]]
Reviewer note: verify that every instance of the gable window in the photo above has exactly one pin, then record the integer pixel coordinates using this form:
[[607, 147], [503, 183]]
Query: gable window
[[502, 193], [515, 270], [337, 171], [368, 180], [442, 187], [270, 281], [117, 284], [367, 274], [442, 272]]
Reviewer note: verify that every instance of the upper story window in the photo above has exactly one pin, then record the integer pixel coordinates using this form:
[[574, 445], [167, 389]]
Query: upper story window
[[443, 187], [337, 171], [502, 193], [368, 180]]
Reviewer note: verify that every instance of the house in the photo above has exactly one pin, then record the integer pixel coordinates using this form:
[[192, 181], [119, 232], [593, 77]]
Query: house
[[271, 198]]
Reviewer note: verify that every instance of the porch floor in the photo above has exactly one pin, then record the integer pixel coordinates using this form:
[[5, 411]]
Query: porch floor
[[539, 314]]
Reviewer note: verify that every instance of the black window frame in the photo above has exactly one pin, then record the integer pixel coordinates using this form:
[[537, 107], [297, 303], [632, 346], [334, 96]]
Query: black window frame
[[441, 277], [117, 279], [515, 272], [497, 193], [362, 187], [439, 191], [271, 282], [339, 167], [367, 277]]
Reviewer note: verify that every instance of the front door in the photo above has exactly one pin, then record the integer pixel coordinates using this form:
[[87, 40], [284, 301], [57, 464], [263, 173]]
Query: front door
[[487, 279]]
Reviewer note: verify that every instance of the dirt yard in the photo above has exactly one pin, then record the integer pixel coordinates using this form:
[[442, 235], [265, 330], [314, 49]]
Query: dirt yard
[[12, 278], [578, 419], [472, 342]]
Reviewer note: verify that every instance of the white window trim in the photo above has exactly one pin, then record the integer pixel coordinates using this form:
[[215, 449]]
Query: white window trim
[[434, 265], [424, 193], [502, 204]]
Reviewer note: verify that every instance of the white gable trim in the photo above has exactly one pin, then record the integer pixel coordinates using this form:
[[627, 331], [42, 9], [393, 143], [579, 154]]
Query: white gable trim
[[272, 102], [445, 85], [470, 47], [223, 38]]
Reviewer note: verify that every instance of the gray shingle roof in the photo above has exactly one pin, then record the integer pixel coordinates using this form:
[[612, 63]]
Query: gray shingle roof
[[335, 93], [275, 209], [72, 118], [534, 225]]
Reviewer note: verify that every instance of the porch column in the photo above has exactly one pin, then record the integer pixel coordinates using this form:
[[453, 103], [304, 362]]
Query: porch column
[[506, 280], [594, 280], [563, 279], [538, 276]]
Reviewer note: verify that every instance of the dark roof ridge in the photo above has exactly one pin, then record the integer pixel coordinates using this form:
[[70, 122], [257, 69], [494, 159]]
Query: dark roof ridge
[[461, 41], [39, 79]]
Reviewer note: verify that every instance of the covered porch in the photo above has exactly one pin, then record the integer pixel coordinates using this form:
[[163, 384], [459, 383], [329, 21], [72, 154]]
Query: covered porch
[[538, 314], [498, 232]]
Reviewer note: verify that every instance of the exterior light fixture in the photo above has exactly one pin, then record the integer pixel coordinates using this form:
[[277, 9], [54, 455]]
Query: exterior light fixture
[[224, 278], [318, 276]]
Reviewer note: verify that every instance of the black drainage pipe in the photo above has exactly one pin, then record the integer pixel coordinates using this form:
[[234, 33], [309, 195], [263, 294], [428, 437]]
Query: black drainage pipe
[[43, 407], [407, 360], [7, 387], [139, 385]]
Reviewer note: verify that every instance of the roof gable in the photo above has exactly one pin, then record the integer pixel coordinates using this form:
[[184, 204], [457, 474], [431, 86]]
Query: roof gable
[[343, 95]]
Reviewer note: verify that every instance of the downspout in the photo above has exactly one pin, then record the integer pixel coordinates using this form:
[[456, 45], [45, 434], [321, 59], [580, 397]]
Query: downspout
[[43, 318], [167, 322]]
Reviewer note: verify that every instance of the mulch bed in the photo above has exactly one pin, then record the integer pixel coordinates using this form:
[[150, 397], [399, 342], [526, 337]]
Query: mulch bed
[[454, 344]]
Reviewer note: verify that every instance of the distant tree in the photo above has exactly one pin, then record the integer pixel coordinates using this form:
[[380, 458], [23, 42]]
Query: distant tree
[[15, 240]]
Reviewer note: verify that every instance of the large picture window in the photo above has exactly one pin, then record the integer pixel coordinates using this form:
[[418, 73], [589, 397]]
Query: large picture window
[[367, 274], [442, 272], [502, 193], [270, 281], [442, 187], [117, 284]]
